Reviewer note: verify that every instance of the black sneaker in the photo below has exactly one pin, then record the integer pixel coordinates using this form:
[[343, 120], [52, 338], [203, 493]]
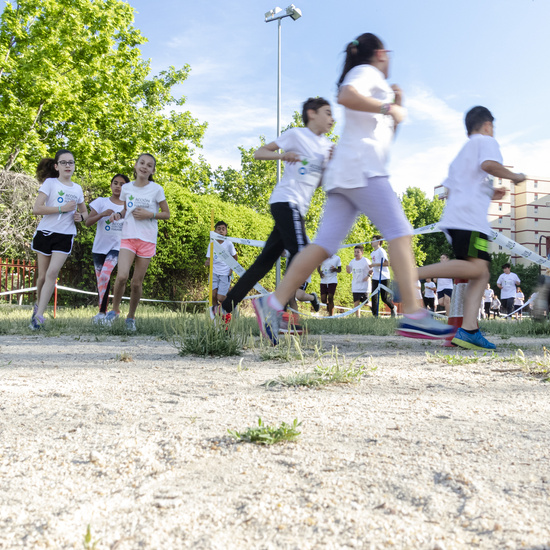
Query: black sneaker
[[315, 303]]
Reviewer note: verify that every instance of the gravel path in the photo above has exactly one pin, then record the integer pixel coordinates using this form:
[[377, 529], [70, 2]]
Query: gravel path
[[418, 455]]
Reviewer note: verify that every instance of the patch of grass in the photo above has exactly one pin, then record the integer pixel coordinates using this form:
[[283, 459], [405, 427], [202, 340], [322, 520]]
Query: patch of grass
[[124, 357], [268, 435], [456, 359], [199, 335], [87, 541], [335, 372]]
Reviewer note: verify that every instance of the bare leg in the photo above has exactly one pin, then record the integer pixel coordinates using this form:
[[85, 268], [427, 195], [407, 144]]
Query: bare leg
[[140, 269], [56, 261], [125, 261], [330, 304], [402, 260], [43, 263], [358, 312]]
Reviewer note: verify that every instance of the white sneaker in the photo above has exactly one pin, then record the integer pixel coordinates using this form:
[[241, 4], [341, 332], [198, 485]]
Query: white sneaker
[[98, 319], [268, 318], [130, 325]]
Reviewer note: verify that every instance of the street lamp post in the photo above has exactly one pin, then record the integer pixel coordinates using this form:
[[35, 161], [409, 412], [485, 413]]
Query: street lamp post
[[277, 14]]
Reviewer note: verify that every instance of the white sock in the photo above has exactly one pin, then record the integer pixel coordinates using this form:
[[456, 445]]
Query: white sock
[[273, 303]]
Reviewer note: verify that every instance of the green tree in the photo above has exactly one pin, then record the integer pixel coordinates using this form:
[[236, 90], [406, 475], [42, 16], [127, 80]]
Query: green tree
[[72, 75]]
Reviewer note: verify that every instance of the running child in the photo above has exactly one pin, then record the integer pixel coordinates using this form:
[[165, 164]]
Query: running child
[[357, 182], [429, 294], [107, 240], [60, 202], [306, 152], [445, 288], [379, 257], [142, 200], [488, 295], [465, 220], [360, 268], [221, 275], [507, 282], [518, 302], [328, 270]]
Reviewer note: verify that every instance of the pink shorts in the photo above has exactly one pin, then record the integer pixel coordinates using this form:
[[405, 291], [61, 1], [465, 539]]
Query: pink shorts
[[140, 248]]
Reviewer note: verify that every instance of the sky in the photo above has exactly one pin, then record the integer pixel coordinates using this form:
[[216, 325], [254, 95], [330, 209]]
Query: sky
[[448, 56]]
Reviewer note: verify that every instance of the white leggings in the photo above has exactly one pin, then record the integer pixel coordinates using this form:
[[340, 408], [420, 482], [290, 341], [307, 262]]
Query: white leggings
[[377, 200]]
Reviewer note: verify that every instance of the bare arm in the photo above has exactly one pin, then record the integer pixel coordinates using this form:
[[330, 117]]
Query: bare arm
[[40, 209], [349, 97], [82, 213], [94, 217], [269, 152], [496, 169]]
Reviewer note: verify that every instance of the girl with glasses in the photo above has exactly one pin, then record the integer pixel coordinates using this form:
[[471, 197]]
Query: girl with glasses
[[60, 202]]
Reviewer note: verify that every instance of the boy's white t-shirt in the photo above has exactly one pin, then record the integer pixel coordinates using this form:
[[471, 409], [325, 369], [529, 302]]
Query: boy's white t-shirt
[[149, 197], [58, 194], [429, 289], [359, 270], [470, 187], [301, 179], [219, 266], [329, 276], [488, 295], [376, 258], [508, 282], [444, 283], [363, 149], [107, 233]]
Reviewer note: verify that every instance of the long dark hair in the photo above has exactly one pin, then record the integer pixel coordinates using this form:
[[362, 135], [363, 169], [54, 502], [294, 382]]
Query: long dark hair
[[46, 167], [360, 52]]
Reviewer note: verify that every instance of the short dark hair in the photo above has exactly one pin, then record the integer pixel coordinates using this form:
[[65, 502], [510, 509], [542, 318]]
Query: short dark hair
[[476, 117], [359, 247], [377, 237], [314, 103], [506, 266], [221, 222], [125, 178]]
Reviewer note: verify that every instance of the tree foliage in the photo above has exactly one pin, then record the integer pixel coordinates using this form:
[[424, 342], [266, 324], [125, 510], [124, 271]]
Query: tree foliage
[[72, 75]]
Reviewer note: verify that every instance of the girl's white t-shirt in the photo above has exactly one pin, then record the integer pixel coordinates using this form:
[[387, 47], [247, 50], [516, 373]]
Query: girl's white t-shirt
[[107, 233], [359, 269], [301, 179], [470, 187], [330, 277], [58, 194], [429, 290], [488, 295], [363, 149], [520, 297], [149, 197]]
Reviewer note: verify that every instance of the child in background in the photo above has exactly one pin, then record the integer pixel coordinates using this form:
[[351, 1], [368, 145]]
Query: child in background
[[221, 276], [328, 270], [60, 202], [357, 182], [518, 302], [429, 294], [107, 240], [380, 257], [306, 152], [465, 220], [444, 288], [142, 200], [361, 270], [488, 295], [507, 282], [495, 307]]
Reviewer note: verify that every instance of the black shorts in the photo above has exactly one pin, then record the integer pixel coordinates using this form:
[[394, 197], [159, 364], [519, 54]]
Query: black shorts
[[359, 296], [303, 287], [328, 289], [47, 242], [445, 292], [469, 244]]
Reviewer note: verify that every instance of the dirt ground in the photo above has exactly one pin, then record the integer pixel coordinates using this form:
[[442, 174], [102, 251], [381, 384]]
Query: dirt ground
[[126, 436]]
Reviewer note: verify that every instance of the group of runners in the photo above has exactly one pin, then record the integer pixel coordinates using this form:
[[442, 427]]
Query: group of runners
[[355, 177]]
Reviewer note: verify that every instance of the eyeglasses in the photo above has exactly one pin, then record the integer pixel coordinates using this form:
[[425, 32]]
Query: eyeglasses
[[66, 162]]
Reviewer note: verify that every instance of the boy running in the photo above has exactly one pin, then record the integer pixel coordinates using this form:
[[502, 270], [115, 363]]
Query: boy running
[[465, 222], [360, 268], [328, 271], [379, 257], [306, 152], [221, 272], [507, 282]]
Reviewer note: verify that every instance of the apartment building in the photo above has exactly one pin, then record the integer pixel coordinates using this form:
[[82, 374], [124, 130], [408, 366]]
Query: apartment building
[[523, 215]]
